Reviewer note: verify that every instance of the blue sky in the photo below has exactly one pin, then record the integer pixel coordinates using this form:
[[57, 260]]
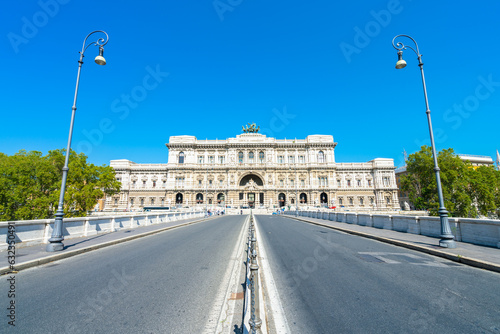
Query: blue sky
[[205, 68]]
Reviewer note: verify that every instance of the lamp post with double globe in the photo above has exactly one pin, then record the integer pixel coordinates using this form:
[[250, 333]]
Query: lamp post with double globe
[[55, 242], [446, 235]]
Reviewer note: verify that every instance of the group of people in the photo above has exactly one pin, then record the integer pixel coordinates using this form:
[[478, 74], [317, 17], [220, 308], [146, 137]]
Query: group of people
[[215, 212]]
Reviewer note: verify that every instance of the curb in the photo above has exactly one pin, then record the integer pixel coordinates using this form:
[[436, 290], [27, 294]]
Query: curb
[[456, 258], [60, 256]]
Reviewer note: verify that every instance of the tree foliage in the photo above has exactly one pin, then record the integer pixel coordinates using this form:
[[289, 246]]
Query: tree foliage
[[30, 184], [467, 190]]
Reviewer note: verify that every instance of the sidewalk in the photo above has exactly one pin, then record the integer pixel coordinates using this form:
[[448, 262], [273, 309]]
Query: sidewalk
[[27, 257], [477, 256]]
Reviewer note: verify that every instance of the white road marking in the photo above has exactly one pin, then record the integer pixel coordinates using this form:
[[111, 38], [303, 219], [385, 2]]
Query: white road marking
[[382, 256], [280, 322]]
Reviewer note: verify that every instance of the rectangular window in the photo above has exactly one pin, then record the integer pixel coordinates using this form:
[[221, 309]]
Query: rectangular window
[[199, 183], [211, 159], [152, 201], [291, 159], [164, 184], [292, 182], [131, 202], [302, 183], [261, 198], [154, 184], [220, 183], [241, 196], [210, 182], [359, 183], [338, 183], [280, 159], [281, 183], [386, 181], [221, 159], [301, 159], [201, 159]]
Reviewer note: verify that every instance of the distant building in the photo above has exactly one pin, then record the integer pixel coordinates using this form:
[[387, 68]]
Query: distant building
[[477, 160], [253, 170]]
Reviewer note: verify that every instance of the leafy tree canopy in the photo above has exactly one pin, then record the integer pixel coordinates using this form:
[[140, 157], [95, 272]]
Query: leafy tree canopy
[[467, 190], [30, 184]]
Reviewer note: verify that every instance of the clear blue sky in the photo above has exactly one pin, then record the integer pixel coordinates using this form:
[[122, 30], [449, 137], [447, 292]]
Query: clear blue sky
[[294, 68]]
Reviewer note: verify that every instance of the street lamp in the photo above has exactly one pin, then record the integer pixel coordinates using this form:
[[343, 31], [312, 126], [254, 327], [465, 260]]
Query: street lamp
[[55, 242], [446, 236]]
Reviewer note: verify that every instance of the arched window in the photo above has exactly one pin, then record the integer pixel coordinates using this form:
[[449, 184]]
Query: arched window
[[261, 157], [321, 157], [181, 157], [240, 157], [250, 157]]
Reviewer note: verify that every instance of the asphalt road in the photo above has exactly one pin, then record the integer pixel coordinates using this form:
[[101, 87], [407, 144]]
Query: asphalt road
[[165, 283], [332, 282]]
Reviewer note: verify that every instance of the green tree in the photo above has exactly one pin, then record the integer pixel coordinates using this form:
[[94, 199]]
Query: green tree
[[27, 184], [30, 184], [485, 189], [86, 183], [467, 190]]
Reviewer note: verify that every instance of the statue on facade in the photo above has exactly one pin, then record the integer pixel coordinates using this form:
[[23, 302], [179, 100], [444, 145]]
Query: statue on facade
[[250, 128], [407, 206], [251, 184]]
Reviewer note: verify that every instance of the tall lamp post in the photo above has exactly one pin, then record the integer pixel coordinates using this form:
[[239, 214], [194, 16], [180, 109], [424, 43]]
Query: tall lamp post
[[446, 236], [55, 242], [297, 201], [206, 193]]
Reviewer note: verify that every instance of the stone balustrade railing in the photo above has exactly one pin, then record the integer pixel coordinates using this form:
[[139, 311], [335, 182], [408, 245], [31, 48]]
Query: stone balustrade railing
[[485, 232], [34, 232]]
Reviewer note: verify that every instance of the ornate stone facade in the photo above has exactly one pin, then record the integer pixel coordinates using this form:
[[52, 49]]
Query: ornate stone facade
[[252, 170]]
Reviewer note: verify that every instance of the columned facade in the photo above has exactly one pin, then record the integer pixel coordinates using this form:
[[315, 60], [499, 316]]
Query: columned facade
[[252, 170]]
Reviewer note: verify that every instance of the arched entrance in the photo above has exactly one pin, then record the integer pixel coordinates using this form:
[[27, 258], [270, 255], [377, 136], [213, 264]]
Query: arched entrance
[[220, 198], [323, 198], [303, 198], [281, 200], [249, 190], [199, 198], [178, 198]]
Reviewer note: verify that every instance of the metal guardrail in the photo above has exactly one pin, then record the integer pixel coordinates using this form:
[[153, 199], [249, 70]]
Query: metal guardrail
[[255, 320]]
